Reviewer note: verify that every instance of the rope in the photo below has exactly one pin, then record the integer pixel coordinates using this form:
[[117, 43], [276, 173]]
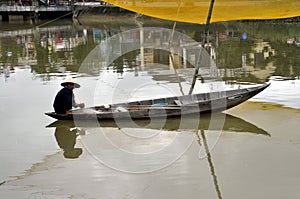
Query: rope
[[54, 19]]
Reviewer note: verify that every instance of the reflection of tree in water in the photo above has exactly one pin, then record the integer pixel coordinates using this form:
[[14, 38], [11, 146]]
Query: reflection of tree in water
[[230, 53], [66, 140], [287, 60], [287, 57]]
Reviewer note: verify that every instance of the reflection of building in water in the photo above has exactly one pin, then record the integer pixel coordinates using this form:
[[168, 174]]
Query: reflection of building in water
[[297, 41], [144, 46], [50, 46], [29, 53], [19, 47], [260, 66], [261, 52], [294, 40], [229, 35], [60, 45], [63, 48], [240, 56]]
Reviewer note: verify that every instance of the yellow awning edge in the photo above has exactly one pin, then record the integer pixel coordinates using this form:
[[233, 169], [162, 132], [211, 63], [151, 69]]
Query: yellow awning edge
[[224, 10]]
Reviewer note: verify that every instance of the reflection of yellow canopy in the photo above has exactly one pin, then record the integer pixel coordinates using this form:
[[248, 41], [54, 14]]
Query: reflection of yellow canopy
[[195, 11]]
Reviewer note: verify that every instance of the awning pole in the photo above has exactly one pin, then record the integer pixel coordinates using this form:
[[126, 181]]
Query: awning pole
[[202, 46]]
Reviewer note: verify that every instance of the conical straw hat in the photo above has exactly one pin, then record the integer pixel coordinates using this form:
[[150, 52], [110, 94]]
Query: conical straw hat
[[70, 80]]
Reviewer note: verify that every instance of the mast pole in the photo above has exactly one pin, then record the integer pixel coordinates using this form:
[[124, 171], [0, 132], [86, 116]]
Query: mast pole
[[202, 47]]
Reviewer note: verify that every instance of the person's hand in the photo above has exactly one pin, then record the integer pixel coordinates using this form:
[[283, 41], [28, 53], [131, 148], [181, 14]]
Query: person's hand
[[81, 105]]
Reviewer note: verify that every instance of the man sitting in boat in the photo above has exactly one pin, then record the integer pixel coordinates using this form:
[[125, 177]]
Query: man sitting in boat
[[64, 100]]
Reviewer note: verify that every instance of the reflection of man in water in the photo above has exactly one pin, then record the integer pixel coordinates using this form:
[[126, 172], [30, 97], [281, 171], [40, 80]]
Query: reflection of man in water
[[66, 140]]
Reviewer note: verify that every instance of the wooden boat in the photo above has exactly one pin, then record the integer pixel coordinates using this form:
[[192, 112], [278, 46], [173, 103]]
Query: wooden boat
[[165, 107]]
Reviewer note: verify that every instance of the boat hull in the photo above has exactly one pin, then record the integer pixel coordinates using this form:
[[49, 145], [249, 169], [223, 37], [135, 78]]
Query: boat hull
[[165, 107]]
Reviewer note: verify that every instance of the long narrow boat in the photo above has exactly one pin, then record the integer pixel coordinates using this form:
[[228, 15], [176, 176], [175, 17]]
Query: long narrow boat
[[165, 107]]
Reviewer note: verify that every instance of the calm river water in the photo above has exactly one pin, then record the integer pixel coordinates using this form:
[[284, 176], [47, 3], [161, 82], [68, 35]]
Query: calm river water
[[127, 60]]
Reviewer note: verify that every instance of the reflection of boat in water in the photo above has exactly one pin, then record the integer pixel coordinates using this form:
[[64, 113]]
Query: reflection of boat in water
[[228, 123], [221, 121], [165, 107]]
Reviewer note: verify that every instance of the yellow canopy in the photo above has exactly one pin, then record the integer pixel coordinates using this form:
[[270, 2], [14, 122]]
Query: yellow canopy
[[195, 11]]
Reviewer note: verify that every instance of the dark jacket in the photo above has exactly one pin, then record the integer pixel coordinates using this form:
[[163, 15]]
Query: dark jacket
[[64, 100]]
